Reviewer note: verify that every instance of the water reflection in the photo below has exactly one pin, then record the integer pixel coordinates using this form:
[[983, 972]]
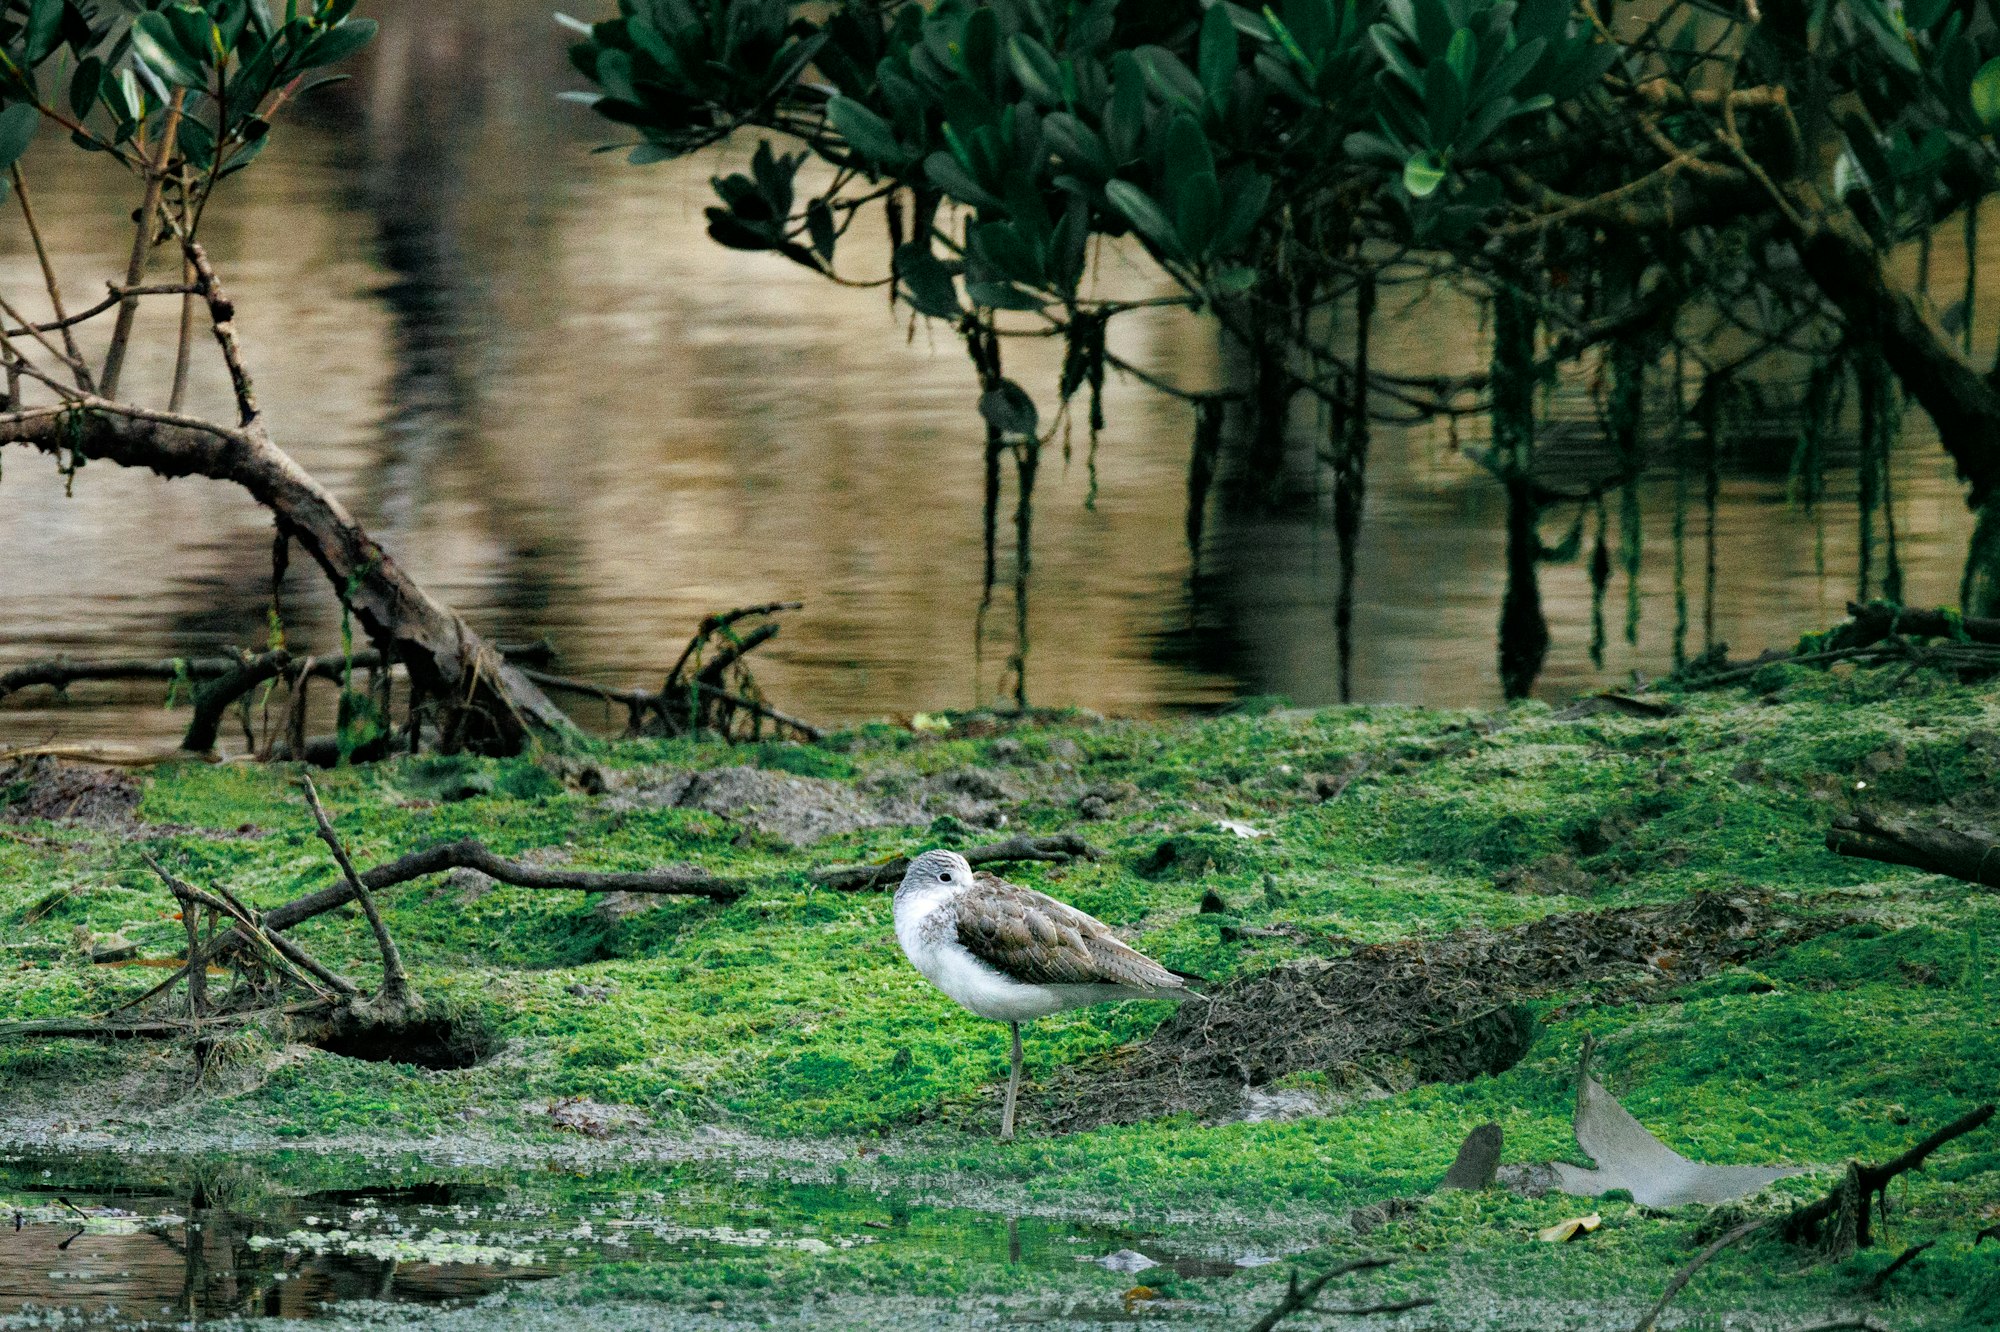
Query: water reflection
[[173, 1242], [571, 414]]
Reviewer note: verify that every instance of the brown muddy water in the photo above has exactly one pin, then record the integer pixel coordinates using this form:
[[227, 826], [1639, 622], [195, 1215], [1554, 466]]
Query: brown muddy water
[[572, 415]]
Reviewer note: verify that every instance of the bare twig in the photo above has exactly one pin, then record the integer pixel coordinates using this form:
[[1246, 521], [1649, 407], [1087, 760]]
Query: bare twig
[[95, 1029], [118, 294], [1299, 1298], [395, 984], [338, 983], [1686, 1274], [184, 346], [142, 247], [49, 276], [1057, 848], [1903, 1260], [282, 954], [722, 620], [222, 316]]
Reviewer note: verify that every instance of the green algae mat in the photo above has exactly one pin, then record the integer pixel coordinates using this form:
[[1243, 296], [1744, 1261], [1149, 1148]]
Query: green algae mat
[[675, 1112]]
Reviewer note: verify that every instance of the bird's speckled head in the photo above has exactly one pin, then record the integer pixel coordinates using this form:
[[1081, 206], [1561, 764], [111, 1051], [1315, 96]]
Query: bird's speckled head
[[935, 871]]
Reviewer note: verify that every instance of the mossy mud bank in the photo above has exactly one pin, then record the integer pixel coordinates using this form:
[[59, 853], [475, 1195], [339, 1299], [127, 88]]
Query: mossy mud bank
[[1434, 910]]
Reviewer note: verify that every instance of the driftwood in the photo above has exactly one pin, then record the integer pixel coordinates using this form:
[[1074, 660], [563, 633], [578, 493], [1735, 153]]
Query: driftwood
[[1877, 620], [1973, 857], [1057, 848], [1839, 1222], [639, 704], [481, 701]]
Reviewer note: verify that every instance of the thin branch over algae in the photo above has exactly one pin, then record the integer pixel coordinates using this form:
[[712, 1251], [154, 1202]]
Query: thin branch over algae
[[395, 982], [1302, 1297]]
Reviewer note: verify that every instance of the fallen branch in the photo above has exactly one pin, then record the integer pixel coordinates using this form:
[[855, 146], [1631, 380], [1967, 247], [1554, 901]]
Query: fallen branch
[[395, 984], [674, 880], [1839, 1222], [638, 703], [1903, 1260], [1299, 1298], [95, 1029], [1686, 1274], [484, 703], [1058, 848], [62, 672], [1973, 857]]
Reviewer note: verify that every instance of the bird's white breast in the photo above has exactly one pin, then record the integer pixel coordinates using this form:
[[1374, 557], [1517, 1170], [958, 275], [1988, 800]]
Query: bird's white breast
[[930, 941]]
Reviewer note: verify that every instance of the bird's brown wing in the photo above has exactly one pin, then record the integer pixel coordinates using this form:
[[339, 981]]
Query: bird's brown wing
[[1034, 938]]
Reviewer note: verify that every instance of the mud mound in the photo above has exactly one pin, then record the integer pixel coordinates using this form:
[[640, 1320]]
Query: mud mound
[[42, 788], [804, 810], [1393, 1015], [797, 810]]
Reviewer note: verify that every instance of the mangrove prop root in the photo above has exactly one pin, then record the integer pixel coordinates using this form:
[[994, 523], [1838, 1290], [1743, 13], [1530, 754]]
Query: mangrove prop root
[[1300, 1297], [1058, 848], [1839, 1222], [1973, 857]]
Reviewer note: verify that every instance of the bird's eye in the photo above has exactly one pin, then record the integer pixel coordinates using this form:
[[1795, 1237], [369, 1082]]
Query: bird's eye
[[945, 877]]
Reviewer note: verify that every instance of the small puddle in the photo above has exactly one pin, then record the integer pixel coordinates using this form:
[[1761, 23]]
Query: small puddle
[[115, 1246]]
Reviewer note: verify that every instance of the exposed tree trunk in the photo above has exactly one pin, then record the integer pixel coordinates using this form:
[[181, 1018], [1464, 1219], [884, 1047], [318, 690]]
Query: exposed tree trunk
[[484, 703], [1961, 401]]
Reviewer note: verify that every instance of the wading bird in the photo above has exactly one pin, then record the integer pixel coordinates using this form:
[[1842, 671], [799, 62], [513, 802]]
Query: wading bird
[[1011, 954]]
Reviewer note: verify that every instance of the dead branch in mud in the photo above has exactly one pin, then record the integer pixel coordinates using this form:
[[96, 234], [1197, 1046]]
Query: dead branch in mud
[[1902, 1260], [1973, 857], [701, 693], [672, 881], [395, 983], [1699, 1261], [1057, 848], [1300, 1298], [1839, 1222], [279, 978]]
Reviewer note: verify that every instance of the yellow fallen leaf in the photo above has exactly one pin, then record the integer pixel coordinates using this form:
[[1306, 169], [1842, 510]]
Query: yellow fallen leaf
[[1564, 1231], [1137, 1293]]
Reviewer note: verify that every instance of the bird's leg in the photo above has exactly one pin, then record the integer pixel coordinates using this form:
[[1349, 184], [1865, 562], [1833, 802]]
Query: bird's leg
[[1013, 1087]]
